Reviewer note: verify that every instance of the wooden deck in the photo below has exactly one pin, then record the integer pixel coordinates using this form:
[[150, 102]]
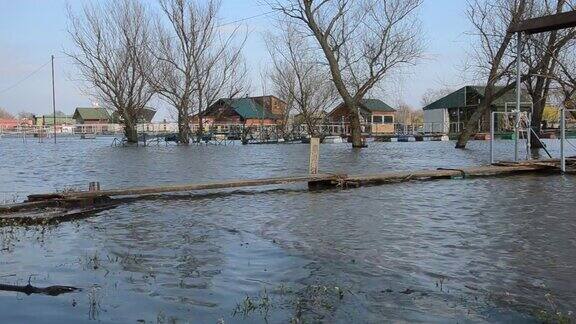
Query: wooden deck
[[56, 207]]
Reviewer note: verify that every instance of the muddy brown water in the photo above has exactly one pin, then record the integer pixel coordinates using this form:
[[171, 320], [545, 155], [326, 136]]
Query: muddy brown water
[[484, 250]]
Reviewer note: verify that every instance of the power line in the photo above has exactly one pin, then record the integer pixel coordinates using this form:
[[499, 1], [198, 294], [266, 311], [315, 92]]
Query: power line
[[223, 24], [59, 57], [247, 18], [226, 24], [24, 79]]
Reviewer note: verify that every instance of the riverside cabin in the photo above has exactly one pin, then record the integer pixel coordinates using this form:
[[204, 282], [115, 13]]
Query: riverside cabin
[[375, 112], [91, 116], [450, 113], [249, 111]]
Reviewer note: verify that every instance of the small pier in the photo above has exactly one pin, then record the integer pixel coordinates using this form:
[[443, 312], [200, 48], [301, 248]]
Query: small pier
[[40, 209]]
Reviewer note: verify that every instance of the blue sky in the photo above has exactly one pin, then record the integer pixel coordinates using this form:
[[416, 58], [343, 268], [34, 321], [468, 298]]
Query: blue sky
[[32, 30]]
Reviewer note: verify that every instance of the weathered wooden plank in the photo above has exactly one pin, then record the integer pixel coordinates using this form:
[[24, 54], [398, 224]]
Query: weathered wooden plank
[[50, 216], [203, 186], [321, 178], [314, 155], [444, 174], [547, 23], [11, 208]]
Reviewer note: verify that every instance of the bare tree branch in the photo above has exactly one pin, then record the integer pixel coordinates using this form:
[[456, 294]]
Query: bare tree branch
[[298, 78], [363, 41], [198, 61], [110, 45]]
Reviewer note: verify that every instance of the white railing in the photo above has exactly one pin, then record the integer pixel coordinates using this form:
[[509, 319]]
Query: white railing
[[172, 127]]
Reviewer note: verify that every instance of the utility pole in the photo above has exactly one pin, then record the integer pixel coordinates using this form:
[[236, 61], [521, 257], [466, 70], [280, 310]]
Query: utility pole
[[518, 96], [53, 101]]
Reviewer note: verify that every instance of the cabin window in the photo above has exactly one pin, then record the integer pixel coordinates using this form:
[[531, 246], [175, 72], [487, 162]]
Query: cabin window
[[382, 119]]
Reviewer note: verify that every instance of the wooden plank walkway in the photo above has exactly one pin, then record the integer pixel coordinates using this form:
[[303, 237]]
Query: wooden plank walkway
[[189, 187], [476, 172], [54, 207]]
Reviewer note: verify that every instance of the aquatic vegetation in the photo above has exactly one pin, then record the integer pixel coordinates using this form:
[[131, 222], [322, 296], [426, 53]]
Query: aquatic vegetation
[[92, 262], [317, 300], [311, 301], [554, 314], [94, 303], [261, 303]]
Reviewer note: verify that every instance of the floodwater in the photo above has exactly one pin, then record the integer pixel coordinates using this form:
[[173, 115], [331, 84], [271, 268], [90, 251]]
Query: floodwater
[[479, 250]]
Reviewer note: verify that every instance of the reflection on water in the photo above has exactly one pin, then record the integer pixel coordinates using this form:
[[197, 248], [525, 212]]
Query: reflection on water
[[486, 250]]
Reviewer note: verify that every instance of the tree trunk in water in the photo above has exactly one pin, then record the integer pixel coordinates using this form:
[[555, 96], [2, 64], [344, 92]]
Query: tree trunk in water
[[472, 124], [130, 132], [355, 127], [536, 122], [183, 127]]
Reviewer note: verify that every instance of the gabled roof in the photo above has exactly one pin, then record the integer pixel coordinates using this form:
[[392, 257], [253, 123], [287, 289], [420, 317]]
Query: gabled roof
[[457, 99], [145, 116], [370, 106], [373, 105], [248, 108], [94, 113]]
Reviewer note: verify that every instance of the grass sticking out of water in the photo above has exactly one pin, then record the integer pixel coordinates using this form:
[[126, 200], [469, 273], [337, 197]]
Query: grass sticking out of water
[[261, 303], [553, 314], [310, 303]]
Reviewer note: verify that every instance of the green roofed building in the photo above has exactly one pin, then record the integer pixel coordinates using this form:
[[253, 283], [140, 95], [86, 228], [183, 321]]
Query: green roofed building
[[48, 120], [450, 113], [266, 110], [94, 115], [100, 115]]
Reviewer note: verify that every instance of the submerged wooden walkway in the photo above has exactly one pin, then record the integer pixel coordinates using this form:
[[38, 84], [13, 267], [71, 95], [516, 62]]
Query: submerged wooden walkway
[[56, 207]]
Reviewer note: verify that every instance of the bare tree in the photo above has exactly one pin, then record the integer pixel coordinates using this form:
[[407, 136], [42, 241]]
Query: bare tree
[[5, 114], [566, 76], [298, 77], [541, 50], [432, 95], [110, 40], [493, 57], [362, 41], [173, 77], [223, 75], [407, 115], [25, 115], [198, 62]]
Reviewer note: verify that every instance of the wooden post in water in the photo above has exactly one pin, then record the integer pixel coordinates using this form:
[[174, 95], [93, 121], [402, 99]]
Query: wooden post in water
[[94, 186], [313, 166], [314, 155]]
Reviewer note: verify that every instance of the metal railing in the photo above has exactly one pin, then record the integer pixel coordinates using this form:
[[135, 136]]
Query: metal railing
[[422, 128], [520, 123], [563, 136]]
